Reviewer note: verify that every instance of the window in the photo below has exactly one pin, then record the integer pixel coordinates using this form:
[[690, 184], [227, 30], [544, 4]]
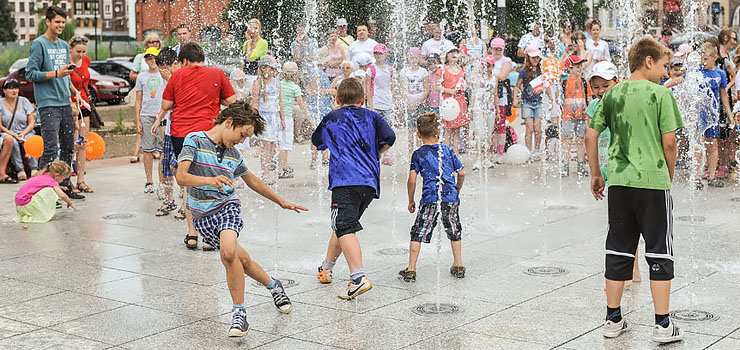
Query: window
[[107, 8], [87, 22], [31, 22], [23, 7], [107, 23], [23, 22], [31, 6], [23, 36], [78, 8], [79, 22], [64, 6]]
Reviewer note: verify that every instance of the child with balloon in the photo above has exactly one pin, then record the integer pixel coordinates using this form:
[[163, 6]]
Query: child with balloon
[[453, 93]]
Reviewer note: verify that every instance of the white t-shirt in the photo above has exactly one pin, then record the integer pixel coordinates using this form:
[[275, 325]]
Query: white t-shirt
[[414, 81], [503, 100], [382, 97], [361, 46], [151, 86], [436, 46], [599, 51], [529, 39]]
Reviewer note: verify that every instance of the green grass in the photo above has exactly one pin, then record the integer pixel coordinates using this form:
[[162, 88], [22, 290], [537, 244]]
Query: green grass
[[8, 57]]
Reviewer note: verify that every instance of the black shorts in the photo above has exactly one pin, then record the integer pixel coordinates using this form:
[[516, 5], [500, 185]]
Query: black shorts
[[635, 211], [177, 143], [725, 129], [426, 220], [348, 203]]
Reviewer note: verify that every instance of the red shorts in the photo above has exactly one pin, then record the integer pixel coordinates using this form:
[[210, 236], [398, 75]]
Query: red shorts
[[499, 126]]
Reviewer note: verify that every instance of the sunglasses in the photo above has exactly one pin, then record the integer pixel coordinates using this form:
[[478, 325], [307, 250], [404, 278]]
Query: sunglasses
[[80, 39], [153, 42]]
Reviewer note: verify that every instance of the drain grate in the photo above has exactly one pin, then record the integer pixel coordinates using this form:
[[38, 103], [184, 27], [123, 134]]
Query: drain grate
[[546, 271], [287, 283], [693, 315], [393, 251], [427, 309], [118, 216], [560, 207], [735, 199], [692, 218]]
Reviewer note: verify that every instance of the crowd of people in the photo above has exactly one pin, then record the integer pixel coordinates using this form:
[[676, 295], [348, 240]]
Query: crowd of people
[[350, 100]]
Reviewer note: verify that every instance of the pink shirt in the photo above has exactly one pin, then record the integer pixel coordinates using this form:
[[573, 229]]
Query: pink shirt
[[32, 186]]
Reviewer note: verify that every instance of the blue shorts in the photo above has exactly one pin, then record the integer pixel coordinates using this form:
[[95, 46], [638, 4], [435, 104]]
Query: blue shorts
[[227, 217], [168, 157], [712, 132], [532, 111]]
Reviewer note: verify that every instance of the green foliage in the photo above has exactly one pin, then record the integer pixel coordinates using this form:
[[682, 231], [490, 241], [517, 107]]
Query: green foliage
[[67, 33], [8, 57], [7, 22], [120, 127]]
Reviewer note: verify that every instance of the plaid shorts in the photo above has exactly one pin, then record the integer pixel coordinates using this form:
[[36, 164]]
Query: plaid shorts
[[426, 221], [168, 157], [226, 218]]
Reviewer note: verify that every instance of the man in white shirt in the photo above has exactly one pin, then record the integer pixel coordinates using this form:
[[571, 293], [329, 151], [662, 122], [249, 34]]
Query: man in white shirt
[[599, 48], [532, 38], [437, 44], [344, 39], [362, 44]]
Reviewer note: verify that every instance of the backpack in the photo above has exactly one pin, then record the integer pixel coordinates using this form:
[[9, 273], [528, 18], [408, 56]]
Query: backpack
[[585, 88], [373, 72]]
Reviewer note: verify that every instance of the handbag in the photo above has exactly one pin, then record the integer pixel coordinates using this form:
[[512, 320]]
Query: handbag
[[95, 121]]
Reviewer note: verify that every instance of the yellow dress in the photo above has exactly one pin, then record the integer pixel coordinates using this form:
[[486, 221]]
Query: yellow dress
[[41, 208]]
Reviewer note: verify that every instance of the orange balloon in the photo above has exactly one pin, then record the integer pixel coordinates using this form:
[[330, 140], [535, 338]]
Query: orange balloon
[[34, 146], [95, 146], [510, 119]]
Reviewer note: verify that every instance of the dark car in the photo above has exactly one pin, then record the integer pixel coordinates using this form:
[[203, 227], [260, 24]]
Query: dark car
[[115, 68], [102, 88]]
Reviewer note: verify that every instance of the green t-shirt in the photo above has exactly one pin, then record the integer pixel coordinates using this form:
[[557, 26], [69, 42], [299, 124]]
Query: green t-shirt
[[290, 91], [637, 113], [603, 142]]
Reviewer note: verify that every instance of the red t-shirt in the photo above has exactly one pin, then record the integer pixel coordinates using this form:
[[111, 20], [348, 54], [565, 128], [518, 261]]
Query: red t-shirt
[[81, 78], [197, 93]]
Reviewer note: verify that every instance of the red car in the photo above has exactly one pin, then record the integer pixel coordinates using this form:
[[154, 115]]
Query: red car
[[102, 88]]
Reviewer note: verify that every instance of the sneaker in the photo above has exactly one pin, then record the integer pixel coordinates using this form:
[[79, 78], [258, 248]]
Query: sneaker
[[149, 187], [353, 290], [288, 169], [74, 195], [498, 159], [457, 271], [22, 176], [614, 329], [487, 164], [722, 172], [565, 170], [282, 174], [60, 204], [325, 162], [407, 275], [477, 165], [239, 325], [282, 303], [716, 182], [699, 185], [315, 164], [536, 156], [668, 334], [324, 276], [387, 161]]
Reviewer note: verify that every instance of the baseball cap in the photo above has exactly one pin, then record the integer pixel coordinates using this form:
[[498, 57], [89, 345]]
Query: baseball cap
[[290, 67], [683, 49], [341, 22], [380, 48], [489, 59], [533, 51], [604, 69], [151, 51], [573, 59], [432, 56], [498, 43], [676, 62]]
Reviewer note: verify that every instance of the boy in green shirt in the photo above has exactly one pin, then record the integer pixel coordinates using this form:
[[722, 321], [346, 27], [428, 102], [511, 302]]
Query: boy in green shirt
[[642, 117]]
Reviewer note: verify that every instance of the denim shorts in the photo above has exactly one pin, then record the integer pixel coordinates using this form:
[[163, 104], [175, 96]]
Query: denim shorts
[[532, 111]]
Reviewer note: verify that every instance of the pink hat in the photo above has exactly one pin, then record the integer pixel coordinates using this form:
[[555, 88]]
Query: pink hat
[[489, 59], [532, 51], [380, 48], [498, 43], [415, 51], [683, 49]]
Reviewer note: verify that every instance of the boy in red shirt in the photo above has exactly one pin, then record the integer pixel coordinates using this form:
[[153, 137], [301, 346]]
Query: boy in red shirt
[[576, 96]]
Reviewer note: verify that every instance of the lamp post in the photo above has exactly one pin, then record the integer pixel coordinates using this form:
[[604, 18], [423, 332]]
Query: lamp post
[[95, 24]]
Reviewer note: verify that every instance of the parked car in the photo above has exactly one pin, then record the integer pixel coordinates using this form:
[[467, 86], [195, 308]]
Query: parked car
[[18, 64], [102, 88], [114, 67]]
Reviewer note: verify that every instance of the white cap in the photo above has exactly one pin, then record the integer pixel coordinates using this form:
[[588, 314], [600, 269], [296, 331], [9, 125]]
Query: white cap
[[341, 22], [363, 58], [603, 69]]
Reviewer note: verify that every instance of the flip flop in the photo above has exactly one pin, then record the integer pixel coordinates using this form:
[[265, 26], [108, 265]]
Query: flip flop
[[9, 180]]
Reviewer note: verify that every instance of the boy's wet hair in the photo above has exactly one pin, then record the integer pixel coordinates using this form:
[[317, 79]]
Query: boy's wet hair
[[710, 48], [191, 52], [350, 92], [428, 125], [646, 47], [242, 112], [166, 57]]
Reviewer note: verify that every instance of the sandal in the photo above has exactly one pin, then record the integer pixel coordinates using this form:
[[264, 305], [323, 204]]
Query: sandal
[[9, 180], [166, 208], [83, 187], [180, 215], [189, 238], [457, 271]]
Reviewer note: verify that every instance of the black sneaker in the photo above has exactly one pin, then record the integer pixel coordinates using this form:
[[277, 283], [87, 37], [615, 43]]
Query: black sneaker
[[239, 325], [60, 204], [74, 195], [282, 303], [407, 275]]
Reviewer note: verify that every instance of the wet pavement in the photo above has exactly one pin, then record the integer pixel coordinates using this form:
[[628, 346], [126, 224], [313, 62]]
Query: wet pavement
[[112, 275]]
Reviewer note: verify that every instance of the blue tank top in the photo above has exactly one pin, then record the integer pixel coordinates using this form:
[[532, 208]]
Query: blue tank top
[[528, 95]]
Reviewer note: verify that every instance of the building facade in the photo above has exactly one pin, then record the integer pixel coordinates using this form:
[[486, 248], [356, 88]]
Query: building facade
[[163, 16]]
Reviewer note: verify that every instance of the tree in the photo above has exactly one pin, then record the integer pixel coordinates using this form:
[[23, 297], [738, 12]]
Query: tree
[[7, 23], [67, 33]]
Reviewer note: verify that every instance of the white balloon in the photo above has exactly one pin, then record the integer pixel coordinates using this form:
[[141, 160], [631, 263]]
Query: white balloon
[[449, 109], [516, 154]]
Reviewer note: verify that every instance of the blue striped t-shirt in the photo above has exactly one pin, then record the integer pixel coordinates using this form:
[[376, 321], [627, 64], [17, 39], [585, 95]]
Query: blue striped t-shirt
[[210, 160]]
